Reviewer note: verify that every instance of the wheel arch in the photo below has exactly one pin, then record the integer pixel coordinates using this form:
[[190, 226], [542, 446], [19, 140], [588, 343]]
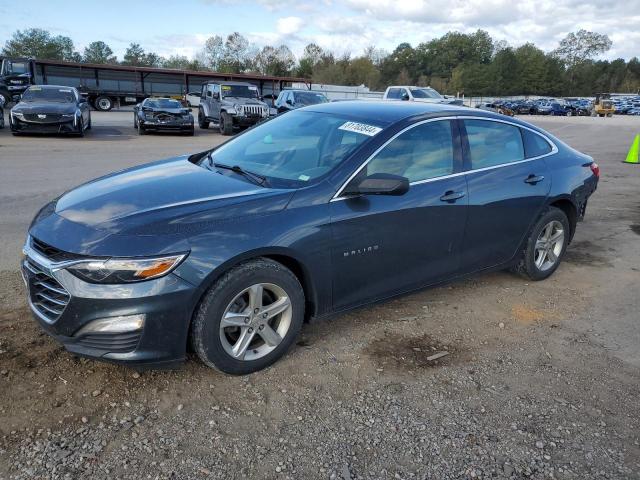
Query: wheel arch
[[282, 255], [570, 210]]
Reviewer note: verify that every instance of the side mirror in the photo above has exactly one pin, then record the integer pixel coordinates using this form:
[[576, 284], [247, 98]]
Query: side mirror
[[289, 102], [379, 184], [404, 96], [216, 95]]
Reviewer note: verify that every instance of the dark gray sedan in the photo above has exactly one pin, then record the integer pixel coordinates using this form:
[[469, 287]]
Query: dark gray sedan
[[162, 114]]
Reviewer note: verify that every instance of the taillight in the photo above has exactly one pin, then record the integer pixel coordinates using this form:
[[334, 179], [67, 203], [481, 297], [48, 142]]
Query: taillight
[[595, 168]]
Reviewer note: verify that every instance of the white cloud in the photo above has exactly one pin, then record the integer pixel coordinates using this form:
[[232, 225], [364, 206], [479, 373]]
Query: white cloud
[[289, 25]]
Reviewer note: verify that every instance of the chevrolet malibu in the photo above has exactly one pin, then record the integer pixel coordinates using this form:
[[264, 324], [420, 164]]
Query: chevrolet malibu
[[228, 252]]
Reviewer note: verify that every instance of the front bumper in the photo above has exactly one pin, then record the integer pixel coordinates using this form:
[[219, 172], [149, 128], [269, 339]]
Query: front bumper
[[171, 125], [247, 120], [21, 126], [63, 304]]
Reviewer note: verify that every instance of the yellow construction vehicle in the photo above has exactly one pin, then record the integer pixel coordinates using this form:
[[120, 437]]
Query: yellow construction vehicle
[[602, 105]]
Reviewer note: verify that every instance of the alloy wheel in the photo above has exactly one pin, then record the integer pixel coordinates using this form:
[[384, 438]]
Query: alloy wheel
[[255, 321], [549, 245]]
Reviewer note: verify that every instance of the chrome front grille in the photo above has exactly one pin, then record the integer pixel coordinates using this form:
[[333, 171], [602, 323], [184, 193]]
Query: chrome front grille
[[46, 295], [45, 117], [253, 110]]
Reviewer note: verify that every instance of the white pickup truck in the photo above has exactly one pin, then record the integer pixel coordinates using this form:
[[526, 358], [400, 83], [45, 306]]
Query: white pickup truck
[[417, 94]]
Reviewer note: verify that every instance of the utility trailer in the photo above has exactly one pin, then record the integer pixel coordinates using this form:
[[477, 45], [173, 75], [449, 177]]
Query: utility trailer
[[107, 86]]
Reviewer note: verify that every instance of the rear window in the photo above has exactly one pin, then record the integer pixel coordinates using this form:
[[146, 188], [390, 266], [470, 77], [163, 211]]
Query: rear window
[[493, 143], [534, 144]]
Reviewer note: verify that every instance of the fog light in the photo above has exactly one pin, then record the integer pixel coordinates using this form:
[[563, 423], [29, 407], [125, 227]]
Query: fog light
[[122, 324]]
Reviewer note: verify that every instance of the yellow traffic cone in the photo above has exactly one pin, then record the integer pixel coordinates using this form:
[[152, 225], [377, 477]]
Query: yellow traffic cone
[[632, 156]]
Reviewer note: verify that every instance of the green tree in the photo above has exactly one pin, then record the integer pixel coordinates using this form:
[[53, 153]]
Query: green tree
[[137, 57], [39, 43], [212, 54], [581, 46], [182, 62], [237, 54], [275, 61], [98, 52]]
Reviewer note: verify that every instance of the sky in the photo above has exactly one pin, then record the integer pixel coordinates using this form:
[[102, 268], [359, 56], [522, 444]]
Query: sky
[[348, 26]]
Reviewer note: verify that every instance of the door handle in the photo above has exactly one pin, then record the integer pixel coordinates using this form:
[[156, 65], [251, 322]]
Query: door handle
[[451, 196], [533, 179]]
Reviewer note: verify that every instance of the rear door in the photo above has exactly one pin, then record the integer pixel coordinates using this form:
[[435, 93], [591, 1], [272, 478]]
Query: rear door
[[507, 190], [387, 244]]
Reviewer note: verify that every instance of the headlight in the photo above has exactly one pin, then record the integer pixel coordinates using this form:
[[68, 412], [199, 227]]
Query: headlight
[[125, 270], [68, 115], [19, 115], [238, 109]]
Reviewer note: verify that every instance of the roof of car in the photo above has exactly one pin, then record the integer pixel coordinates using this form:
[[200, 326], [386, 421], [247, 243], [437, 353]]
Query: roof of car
[[385, 112], [222, 82], [303, 90]]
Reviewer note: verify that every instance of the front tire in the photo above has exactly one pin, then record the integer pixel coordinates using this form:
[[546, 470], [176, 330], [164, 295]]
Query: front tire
[[249, 318], [80, 131], [202, 120], [546, 245], [226, 124]]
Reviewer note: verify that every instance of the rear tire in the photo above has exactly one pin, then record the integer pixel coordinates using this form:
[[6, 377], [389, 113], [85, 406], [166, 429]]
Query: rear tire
[[546, 245], [242, 297], [226, 124], [103, 103]]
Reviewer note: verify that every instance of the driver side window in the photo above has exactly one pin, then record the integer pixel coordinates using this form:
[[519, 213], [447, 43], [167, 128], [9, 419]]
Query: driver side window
[[422, 152]]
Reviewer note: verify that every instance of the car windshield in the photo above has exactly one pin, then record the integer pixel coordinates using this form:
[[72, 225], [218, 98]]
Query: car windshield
[[163, 103], [310, 98], [424, 93], [294, 149], [239, 91], [59, 95]]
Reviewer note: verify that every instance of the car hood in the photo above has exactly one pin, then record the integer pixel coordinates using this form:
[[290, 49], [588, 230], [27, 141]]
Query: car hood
[[242, 101], [44, 107], [161, 203]]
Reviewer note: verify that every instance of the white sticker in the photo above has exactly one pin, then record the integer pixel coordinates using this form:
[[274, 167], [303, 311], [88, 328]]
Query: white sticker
[[304, 178], [362, 128], [253, 88]]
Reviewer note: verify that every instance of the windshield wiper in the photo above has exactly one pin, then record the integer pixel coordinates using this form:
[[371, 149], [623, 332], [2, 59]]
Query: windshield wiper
[[254, 177]]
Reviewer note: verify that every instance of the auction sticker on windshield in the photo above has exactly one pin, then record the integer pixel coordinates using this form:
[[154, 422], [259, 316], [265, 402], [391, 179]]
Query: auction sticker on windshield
[[362, 128]]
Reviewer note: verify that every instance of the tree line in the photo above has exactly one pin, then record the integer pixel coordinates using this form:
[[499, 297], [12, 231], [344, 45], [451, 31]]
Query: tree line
[[456, 63]]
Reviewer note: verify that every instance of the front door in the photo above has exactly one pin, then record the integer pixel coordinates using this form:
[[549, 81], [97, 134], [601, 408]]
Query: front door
[[388, 244]]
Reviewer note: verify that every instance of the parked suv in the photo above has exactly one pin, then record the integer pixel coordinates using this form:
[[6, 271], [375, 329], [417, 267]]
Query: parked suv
[[230, 104]]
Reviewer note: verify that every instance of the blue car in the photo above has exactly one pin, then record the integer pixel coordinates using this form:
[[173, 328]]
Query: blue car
[[327, 208]]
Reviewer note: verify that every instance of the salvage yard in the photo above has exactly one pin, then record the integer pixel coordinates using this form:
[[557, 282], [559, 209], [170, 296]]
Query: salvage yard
[[539, 380]]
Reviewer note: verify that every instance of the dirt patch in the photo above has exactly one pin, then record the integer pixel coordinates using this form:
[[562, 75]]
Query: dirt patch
[[588, 254], [526, 315], [404, 352]]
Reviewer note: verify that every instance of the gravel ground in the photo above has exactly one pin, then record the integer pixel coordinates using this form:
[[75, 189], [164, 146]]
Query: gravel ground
[[540, 380]]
